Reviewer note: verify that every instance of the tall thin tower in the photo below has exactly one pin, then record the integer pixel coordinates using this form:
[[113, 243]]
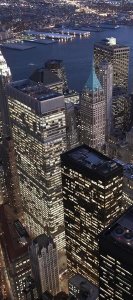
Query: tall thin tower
[[93, 113], [106, 80], [5, 76]]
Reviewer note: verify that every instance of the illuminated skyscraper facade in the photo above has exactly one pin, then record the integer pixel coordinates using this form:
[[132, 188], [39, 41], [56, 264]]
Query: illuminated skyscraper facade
[[115, 259], [39, 133], [92, 194], [5, 75], [93, 113], [3, 191], [11, 175], [118, 56], [7, 148]]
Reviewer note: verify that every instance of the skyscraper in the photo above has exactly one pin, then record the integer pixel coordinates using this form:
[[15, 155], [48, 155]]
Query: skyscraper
[[56, 66], [93, 113], [7, 148], [122, 109], [115, 262], [72, 130], [11, 175], [48, 78], [118, 56], [72, 109], [106, 80], [92, 194], [3, 190], [4, 68], [39, 133], [5, 76], [44, 263]]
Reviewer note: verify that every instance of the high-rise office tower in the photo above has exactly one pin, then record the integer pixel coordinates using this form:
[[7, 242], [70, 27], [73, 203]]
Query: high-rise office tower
[[48, 78], [127, 184], [72, 130], [39, 133], [11, 175], [93, 113], [7, 149], [115, 259], [92, 194], [106, 80], [56, 66], [5, 76], [72, 109], [3, 190], [4, 68], [14, 252], [44, 263], [122, 109], [118, 56]]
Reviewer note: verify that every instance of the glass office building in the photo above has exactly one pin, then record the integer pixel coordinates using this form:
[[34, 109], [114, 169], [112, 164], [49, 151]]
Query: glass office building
[[118, 56], [92, 194]]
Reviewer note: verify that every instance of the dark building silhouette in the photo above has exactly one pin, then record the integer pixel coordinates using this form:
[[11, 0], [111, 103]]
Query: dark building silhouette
[[48, 78], [115, 259], [57, 67]]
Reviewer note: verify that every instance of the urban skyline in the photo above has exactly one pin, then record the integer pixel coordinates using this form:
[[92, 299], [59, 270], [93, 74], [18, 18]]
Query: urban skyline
[[66, 160]]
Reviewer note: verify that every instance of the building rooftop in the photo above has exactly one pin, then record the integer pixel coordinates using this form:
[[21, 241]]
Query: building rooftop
[[121, 230], [16, 239], [110, 43], [43, 241], [88, 160], [127, 169], [93, 84], [36, 90], [36, 96], [85, 287]]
